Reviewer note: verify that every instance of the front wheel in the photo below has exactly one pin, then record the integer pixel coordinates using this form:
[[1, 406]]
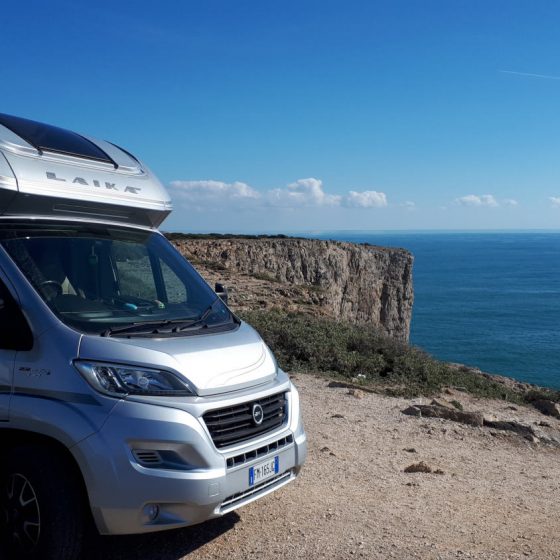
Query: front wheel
[[41, 507]]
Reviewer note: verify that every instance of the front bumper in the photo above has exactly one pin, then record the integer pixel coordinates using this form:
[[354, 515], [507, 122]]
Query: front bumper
[[209, 483]]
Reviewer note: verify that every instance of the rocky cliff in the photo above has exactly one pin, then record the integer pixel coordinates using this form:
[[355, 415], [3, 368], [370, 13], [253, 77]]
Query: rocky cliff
[[362, 284]]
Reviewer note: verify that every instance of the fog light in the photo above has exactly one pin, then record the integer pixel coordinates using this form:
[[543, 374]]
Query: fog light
[[151, 511]]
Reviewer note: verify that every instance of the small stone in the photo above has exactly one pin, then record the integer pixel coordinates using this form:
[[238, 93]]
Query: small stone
[[409, 449], [420, 467], [338, 416], [412, 411], [356, 393]]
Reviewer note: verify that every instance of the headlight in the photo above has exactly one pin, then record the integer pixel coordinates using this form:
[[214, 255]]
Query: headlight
[[119, 380]]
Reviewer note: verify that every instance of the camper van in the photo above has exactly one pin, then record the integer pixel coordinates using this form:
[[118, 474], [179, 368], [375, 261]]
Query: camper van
[[132, 399]]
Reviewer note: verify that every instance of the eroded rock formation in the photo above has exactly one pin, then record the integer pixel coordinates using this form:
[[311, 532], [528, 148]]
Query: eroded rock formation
[[362, 284]]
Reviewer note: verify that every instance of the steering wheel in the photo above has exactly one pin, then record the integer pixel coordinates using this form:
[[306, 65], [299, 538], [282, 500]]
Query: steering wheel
[[52, 285]]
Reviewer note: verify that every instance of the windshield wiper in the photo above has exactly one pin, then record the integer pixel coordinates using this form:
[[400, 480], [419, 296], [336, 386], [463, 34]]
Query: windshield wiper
[[161, 327], [201, 320], [144, 327]]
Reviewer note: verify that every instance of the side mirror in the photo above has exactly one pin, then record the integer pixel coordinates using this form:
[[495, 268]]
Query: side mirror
[[222, 292]]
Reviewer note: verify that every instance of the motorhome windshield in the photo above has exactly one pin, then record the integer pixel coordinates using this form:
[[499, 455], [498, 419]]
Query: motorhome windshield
[[114, 281]]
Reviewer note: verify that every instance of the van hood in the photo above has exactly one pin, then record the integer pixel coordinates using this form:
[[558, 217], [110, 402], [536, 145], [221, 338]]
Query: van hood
[[211, 363]]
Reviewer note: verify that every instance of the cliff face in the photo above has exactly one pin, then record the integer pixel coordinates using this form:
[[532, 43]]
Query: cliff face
[[361, 284]]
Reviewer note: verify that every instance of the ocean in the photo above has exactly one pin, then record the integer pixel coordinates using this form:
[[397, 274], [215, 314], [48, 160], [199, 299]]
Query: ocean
[[490, 300]]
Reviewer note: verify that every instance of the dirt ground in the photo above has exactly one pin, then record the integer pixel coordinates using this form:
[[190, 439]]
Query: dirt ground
[[497, 498]]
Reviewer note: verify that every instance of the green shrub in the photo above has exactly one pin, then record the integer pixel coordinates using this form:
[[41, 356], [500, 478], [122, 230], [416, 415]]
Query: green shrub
[[310, 344], [457, 404]]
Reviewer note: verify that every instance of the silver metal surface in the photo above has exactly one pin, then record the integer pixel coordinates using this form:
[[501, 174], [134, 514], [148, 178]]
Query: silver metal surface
[[36, 183], [42, 393]]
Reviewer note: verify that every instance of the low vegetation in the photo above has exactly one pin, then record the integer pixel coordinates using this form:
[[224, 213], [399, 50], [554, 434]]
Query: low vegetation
[[177, 236], [359, 354]]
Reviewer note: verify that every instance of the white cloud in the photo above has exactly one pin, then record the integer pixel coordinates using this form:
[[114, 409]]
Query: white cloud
[[408, 204], [210, 192], [365, 199], [300, 194], [477, 200], [510, 202], [304, 192], [555, 201]]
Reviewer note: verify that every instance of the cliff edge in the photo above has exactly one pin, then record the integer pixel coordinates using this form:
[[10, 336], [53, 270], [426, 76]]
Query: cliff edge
[[358, 283]]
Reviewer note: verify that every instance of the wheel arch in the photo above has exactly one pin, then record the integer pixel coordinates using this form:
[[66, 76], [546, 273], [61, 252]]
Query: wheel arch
[[12, 438]]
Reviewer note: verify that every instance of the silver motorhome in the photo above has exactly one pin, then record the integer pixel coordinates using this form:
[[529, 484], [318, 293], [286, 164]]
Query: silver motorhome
[[131, 397]]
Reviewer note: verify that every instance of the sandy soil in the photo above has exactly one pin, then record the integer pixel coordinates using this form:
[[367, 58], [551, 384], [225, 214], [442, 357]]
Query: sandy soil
[[498, 496]]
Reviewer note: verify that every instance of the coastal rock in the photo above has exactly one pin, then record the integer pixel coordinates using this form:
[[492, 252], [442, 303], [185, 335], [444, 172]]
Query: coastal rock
[[358, 283], [524, 430], [550, 408], [438, 411], [412, 411]]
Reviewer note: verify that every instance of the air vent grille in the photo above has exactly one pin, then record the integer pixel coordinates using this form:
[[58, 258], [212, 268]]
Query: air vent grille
[[259, 452], [147, 458]]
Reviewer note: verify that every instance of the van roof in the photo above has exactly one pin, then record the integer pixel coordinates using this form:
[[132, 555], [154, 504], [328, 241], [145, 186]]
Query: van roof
[[45, 137], [48, 170]]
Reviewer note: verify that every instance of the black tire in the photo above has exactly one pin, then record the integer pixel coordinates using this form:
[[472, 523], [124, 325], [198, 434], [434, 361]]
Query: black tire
[[42, 513]]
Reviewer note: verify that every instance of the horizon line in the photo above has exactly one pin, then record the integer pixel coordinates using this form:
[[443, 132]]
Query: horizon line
[[321, 231]]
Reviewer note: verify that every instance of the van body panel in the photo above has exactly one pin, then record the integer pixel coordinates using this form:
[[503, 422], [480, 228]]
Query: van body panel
[[125, 161], [212, 363], [186, 496], [7, 358], [8, 183], [11, 142], [41, 182], [49, 395], [185, 371], [57, 186]]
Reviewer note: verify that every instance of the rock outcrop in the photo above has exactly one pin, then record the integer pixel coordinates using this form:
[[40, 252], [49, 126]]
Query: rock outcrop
[[359, 283]]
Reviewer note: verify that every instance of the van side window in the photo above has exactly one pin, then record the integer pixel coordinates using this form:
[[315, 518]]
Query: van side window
[[15, 333]]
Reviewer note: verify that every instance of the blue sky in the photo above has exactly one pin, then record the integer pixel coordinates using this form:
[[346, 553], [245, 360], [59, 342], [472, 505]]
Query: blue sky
[[304, 115]]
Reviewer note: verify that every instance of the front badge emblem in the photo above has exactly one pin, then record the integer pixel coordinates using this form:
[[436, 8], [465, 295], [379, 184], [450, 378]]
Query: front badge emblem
[[258, 414]]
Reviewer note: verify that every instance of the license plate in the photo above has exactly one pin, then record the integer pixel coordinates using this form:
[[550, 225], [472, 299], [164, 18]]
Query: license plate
[[264, 470]]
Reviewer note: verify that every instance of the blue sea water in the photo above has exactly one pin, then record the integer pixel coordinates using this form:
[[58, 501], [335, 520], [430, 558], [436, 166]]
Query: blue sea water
[[490, 300]]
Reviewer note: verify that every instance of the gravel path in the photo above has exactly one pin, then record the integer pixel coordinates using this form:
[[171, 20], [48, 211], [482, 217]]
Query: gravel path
[[498, 496]]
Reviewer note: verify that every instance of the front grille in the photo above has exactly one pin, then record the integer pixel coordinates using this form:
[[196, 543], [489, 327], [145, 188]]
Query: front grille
[[235, 424], [231, 502], [259, 452]]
